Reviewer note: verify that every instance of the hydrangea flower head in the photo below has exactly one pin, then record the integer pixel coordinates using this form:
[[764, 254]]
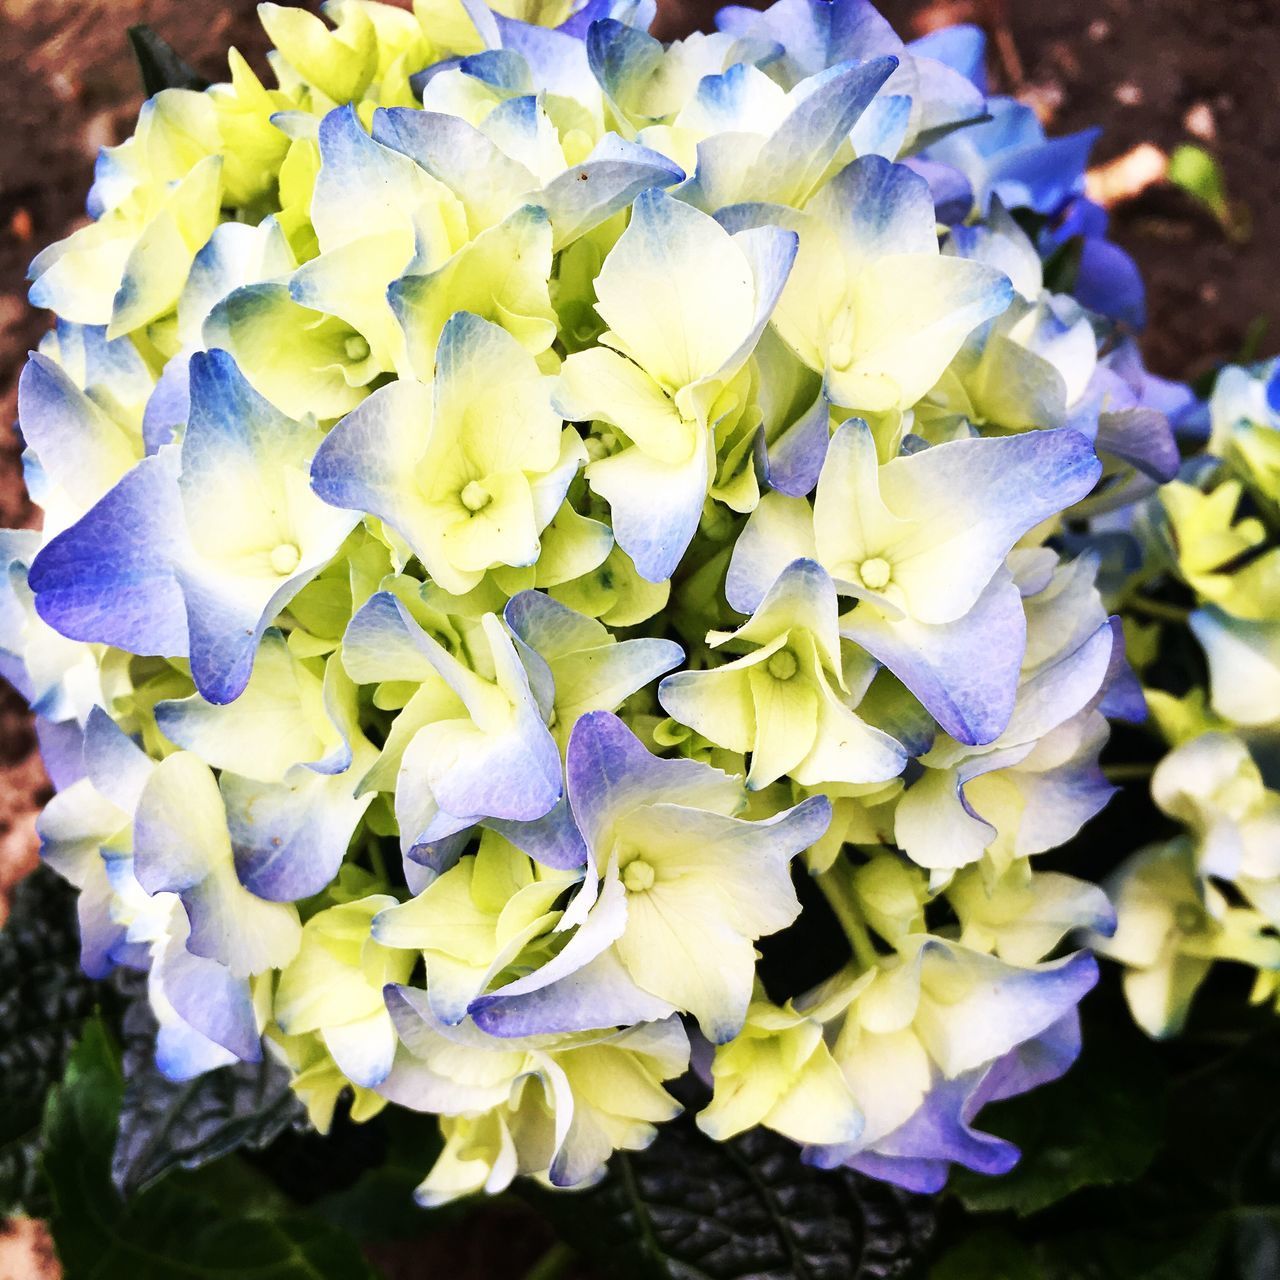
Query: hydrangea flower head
[[521, 497]]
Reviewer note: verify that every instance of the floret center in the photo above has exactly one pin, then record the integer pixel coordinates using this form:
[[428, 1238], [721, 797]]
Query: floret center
[[875, 573], [475, 497], [638, 876], [782, 665], [840, 344], [1188, 918], [357, 348], [285, 558]]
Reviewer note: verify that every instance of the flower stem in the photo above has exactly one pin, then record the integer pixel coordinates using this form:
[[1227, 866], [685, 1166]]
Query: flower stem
[[379, 862], [1127, 772], [553, 1264], [839, 894], [1158, 609]]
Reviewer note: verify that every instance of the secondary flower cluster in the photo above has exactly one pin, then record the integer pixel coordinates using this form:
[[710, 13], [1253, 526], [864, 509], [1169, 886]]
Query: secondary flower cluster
[[1212, 537], [521, 498]]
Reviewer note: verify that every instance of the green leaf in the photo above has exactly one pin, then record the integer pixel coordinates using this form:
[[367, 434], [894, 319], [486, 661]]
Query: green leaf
[[159, 64], [44, 1001], [1062, 267], [993, 1255], [1255, 1244], [1146, 1251], [21, 1190], [1100, 1125], [1205, 1208], [379, 1205], [1239, 1244], [1194, 170], [689, 1208], [166, 1125], [239, 1189], [1251, 343], [170, 1231]]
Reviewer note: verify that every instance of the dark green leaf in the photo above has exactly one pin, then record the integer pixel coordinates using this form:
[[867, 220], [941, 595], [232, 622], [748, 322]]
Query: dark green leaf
[[1240, 1244], [1062, 267], [1202, 385], [993, 1255], [379, 1205], [239, 1189], [1100, 1125], [308, 1166], [1255, 1246], [1206, 1207], [1148, 1251], [164, 1125], [1251, 343], [689, 1208], [44, 1001], [170, 1231], [1227, 1146], [159, 64], [21, 1190]]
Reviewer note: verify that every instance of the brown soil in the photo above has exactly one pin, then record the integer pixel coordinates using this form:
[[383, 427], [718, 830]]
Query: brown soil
[[1159, 71], [26, 1252]]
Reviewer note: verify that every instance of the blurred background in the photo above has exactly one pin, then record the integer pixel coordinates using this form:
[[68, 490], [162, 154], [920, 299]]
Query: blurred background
[[1159, 77]]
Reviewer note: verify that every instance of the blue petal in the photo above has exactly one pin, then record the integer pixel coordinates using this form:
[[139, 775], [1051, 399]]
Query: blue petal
[[600, 994], [487, 180], [795, 458], [551, 628], [951, 191], [61, 750], [79, 447], [503, 71], [610, 178], [655, 506], [553, 840], [224, 637], [234, 439], [1109, 282], [779, 532], [919, 1153], [1035, 1062], [380, 643], [1123, 697], [169, 406], [621, 57], [109, 578], [881, 208], [964, 672], [800, 152], [213, 1003], [289, 838], [557, 59], [609, 772], [962, 48], [113, 762]]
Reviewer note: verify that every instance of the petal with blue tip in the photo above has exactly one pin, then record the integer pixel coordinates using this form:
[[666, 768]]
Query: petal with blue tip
[[109, 578], [965, 672], [181, 845]]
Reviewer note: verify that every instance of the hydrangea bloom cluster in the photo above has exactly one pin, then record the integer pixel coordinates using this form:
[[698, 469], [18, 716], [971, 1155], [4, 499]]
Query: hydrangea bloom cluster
[[520, 498], [1212, 892]]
